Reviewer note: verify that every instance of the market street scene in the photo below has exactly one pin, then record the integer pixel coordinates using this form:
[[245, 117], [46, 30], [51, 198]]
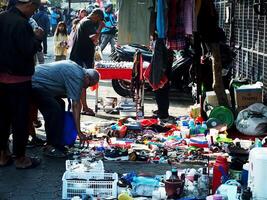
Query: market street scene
[[133, 100]]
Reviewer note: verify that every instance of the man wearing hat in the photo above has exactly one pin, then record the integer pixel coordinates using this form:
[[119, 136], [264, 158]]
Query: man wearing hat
[[19, 44], [83, 49], [52, 82]]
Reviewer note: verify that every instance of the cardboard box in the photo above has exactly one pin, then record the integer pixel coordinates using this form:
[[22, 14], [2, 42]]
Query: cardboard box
[[247, 95], [211, 98]]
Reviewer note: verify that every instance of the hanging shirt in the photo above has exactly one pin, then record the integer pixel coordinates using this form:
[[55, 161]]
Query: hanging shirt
[[188, 16], [134, 21], [176, 30], [161, 18]]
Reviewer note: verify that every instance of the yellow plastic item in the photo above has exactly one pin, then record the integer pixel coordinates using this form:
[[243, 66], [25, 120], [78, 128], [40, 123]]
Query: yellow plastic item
[[124, 196]]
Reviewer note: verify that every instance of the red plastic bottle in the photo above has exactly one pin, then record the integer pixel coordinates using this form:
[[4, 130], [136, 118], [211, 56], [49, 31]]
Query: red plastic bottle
[[217, 174]]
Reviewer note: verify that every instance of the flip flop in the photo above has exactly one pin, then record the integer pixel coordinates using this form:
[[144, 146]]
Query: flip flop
[[88, 112], [35, 162]]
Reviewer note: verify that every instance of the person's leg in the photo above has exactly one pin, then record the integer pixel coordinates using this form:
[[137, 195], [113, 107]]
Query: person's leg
[[35, 141], [40, 57], [45, 43], [162, 99], [19, 101], [104, 41], [21, 109], [54, 26], [112, 43], [5, 122], [52, 110]]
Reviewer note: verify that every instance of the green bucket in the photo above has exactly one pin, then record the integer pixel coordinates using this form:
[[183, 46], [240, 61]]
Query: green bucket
[[224, 114]]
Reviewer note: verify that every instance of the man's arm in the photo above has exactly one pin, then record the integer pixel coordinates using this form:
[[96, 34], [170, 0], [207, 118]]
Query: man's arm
[[76, 110]]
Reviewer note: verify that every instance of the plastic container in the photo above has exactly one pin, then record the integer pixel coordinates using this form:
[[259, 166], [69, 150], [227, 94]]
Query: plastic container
[[220, 167], [257, 175], [94, 184], [84, 166], [224, 114]]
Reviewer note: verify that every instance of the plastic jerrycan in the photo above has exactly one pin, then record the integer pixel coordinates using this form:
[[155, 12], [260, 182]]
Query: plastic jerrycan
[[220, 167]]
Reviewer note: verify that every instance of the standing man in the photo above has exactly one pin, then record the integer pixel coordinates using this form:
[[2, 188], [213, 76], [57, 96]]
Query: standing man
[[19, 44], [109, 31], [83, 50], [52, 82], [54, 20], [42, 20]]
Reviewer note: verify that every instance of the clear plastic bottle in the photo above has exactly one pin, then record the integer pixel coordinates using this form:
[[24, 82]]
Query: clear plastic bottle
[[195, 189], [174, 176], [203, 183]]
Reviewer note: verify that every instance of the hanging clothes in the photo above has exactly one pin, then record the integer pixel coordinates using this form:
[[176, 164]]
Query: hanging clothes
[[207, 22], [176, 30], [158, 71], [161, 18], [188, 16], [134, 21]]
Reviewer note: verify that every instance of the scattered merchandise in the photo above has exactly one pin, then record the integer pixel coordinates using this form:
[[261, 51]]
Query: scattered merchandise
[[205, 162]]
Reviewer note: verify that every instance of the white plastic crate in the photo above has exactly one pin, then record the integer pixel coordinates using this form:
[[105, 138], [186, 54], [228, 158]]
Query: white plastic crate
[[84, 166], [101, 185]]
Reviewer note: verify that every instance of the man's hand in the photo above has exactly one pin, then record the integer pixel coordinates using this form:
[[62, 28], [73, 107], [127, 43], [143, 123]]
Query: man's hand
[[84, 139], [39, 33]]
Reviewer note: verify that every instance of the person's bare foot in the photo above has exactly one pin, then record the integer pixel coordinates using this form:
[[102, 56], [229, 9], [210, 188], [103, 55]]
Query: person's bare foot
[[26, 162], [5, 158]]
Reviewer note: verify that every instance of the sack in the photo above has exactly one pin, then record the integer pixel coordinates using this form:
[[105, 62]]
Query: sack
[[70, 131], [98, 53], [252, 120]]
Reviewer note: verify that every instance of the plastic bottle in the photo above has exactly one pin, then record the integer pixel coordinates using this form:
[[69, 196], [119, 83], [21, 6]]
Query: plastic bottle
[[203, 183], [238, 193], [195, 186], [174, 176], [220, 164]]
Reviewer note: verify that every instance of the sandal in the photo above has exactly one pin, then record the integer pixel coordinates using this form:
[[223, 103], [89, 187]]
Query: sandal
[[35, 142], [34, 163], [51, 151], [88, 112]]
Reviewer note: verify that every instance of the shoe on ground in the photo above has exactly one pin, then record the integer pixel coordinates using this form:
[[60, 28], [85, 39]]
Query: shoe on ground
[[168, 120], [116, 154], [51, 151], [37, 123], [35, 142]]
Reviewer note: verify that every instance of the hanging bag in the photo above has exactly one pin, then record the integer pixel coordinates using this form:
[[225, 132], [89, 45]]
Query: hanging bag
[[70, 131]]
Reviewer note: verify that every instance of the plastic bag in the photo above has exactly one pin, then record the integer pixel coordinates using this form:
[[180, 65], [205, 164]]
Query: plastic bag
[[252, 120], [98, 53], [70, 131], [144, 186]]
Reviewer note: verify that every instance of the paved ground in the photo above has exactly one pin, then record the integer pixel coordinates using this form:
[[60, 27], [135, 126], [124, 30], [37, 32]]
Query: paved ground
[[44, 182]]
